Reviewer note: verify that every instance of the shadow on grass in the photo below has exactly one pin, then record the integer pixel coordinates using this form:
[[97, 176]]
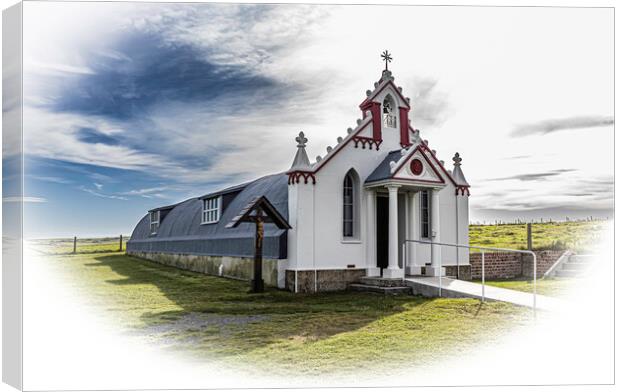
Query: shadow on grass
[[266, 318]]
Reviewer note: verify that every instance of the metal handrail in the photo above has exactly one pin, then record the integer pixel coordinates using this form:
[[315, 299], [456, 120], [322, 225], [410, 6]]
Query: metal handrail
[[482, 250]]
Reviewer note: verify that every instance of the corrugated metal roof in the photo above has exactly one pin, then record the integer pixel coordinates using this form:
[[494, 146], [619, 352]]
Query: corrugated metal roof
[[181, 230]]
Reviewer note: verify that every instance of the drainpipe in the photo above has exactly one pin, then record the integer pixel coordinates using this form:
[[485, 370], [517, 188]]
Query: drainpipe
[[314, 237], [456, 198]]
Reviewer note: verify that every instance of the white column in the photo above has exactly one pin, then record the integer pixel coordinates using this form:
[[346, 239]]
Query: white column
[[393, 271], [371, 234], [413, 224], [435, 235]]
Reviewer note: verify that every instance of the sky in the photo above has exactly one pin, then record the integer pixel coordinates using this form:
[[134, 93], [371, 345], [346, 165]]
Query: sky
[[130, 106]]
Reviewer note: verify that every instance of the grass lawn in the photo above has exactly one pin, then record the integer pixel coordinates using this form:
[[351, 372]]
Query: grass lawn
[[547, 286], [316, 334], [577, 236]]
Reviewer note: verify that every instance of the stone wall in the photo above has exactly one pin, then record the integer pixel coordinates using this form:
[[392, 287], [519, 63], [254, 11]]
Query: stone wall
[[544, 261], [229, 267], [499, 265], [464, 271], [327, 280]]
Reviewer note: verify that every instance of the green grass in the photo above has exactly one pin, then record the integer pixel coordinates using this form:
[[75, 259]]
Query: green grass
[[315, 334], [547, 286], [84, 245], [576, 236]]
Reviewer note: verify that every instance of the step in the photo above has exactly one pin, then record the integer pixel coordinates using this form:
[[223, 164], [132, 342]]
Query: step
[[581, 258], [567, 273], [575, 266], [381, 282], [379, 289]]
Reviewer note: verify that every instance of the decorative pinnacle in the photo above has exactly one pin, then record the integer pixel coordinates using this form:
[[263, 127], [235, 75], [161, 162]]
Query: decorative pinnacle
[[457, 159], [387, 57], [301, 161], [301, 140]]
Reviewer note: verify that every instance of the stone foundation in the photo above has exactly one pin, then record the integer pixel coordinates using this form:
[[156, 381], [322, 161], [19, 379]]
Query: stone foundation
[[326, 280], [464, 271], [225, 266]]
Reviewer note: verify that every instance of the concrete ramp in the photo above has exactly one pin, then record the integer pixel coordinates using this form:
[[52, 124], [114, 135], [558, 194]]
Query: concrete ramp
[[452, 288]]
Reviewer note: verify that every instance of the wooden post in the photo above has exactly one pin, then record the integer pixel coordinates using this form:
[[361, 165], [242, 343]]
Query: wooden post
[[529, 236], [74, 244], [258, 285], [120, 244]]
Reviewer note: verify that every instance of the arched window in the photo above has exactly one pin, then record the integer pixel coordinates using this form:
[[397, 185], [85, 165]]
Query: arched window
[[389, 119], [350, 205]]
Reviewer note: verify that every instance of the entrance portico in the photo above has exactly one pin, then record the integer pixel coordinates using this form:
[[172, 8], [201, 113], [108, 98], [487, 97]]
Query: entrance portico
[[404, 220]]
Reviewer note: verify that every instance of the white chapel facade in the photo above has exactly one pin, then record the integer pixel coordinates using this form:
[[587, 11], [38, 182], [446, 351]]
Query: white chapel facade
[[380, 185]]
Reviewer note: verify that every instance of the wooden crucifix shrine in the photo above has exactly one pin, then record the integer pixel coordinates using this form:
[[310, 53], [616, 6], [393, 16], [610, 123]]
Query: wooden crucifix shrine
[[259, 211]]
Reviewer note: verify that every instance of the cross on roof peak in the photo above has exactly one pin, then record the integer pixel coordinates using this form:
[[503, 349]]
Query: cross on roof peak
[[387, 57]]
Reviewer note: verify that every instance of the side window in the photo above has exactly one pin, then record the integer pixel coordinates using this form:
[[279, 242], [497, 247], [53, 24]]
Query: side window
[[347, 206], [154, 221], [211, 210], [424, 215], [351, 206]]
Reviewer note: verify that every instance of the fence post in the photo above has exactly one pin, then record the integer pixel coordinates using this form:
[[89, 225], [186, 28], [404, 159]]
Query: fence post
[[529, 236], [120, 244], [74, 244], [482, 276]]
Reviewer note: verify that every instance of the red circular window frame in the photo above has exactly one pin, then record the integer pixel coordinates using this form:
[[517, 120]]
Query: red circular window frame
[[416, 167]]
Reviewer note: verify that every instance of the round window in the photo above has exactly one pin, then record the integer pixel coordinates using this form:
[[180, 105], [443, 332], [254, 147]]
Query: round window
[[416, 167]]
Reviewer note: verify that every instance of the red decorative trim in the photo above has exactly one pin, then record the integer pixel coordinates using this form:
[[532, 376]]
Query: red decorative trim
[[426, 148], [366, 140], [441, 181], [404, 126], [370, 98], [339, 148], [375, 110], [416, 167], [295, 176], [463, 189]]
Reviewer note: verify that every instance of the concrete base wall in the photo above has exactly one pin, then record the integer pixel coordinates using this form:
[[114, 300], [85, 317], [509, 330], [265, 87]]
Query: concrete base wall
[[229, 267], [326, 280]]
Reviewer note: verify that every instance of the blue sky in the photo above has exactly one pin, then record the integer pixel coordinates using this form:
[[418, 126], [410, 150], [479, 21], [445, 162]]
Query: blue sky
[[132, 106]]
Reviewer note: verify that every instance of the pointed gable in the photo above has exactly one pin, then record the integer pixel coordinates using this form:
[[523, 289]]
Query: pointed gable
[[409, 165], [418, 167]]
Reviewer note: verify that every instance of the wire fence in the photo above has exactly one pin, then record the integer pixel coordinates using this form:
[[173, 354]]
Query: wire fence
[[79, 245]]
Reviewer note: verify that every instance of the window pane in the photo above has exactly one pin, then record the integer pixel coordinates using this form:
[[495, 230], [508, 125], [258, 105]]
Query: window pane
[[348, 213]]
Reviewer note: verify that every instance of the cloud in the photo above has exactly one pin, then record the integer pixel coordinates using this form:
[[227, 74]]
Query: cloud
[[562, 124], [177, 98], [430, 103], [98, 185], [534, 176], [102, 195], [148, 193], [25, 199], [54, 179]]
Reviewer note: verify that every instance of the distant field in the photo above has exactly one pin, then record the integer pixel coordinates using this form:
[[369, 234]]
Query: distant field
[[576, 236], [58, 246]]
